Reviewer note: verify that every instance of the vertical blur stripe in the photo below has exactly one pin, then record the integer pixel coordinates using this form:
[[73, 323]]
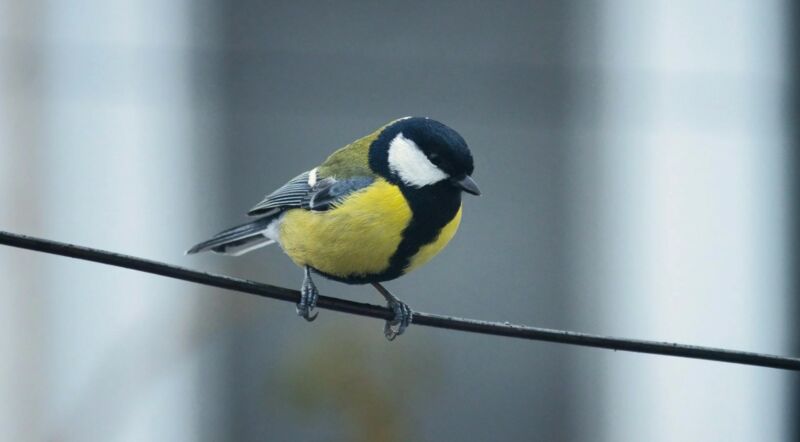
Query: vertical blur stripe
[[22, 326], [792, 118], [116, 173], [692, 222]]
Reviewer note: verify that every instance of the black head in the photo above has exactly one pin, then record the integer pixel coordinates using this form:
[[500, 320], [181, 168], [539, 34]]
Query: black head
[[418, 152]]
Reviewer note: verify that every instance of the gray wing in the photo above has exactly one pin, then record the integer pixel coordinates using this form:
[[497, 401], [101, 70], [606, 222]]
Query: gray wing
[[329, 192], [325, 194], [290, 194]]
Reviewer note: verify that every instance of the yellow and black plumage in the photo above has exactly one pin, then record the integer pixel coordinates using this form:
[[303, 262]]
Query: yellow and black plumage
[[376, 209]]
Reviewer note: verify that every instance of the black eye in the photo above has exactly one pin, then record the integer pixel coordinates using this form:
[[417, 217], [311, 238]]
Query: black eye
[[433, 156]]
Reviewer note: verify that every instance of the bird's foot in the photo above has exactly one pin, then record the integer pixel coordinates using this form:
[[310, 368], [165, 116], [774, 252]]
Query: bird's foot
[[308, 298], [402, 318], [402, 314]]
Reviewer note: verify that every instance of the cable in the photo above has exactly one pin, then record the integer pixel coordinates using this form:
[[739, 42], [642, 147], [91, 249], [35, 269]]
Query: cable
[[420, 318]]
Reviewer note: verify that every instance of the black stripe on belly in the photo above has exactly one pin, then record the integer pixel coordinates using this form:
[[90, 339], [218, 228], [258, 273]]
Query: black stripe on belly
[[432, 207]]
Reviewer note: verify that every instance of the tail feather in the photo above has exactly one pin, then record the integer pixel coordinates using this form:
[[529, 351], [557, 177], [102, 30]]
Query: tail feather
[[238, 240]]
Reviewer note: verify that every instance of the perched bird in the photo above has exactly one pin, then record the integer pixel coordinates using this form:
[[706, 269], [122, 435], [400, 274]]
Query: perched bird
[[376, 209]]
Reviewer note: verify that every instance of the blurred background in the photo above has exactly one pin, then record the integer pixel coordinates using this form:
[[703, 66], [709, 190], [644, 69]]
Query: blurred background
[[639, 173]]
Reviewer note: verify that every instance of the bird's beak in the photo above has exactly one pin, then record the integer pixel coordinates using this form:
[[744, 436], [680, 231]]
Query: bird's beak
[[467, 184]]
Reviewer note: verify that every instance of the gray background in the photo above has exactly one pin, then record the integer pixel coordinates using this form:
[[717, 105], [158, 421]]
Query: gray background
[[636, 171]]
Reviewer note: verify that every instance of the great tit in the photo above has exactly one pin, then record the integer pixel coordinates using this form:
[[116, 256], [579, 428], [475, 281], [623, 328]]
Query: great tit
[[376, 209]]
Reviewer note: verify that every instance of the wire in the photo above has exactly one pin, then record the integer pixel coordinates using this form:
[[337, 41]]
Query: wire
[[420, 318]]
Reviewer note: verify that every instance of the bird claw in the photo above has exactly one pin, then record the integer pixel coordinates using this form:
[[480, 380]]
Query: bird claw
[[305, 312], [402, 313], [308, 299], [402, 318]]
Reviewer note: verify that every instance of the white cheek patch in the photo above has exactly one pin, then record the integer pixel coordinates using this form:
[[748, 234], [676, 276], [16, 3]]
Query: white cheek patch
[[411, 165]]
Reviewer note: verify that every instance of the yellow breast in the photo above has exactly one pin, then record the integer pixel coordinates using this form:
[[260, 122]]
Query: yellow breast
[[359, 237], [356, 238]]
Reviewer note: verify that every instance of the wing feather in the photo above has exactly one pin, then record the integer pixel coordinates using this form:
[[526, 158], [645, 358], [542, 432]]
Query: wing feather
[[290, 194], [328, 193], [299, 193]]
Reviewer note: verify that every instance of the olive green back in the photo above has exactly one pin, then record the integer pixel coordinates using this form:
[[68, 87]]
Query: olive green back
[[351, 160]]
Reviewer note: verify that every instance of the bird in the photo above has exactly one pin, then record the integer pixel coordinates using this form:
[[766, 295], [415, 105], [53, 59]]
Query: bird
[[374, 210]]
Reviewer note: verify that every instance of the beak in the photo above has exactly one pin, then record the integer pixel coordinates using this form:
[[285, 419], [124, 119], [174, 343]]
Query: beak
[[467, 184]]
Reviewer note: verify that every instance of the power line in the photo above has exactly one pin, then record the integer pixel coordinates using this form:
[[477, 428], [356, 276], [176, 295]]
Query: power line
[[420, 318]]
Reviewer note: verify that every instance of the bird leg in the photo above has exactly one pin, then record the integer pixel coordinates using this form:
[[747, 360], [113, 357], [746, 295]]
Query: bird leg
[[308, 297], [402, 313]]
